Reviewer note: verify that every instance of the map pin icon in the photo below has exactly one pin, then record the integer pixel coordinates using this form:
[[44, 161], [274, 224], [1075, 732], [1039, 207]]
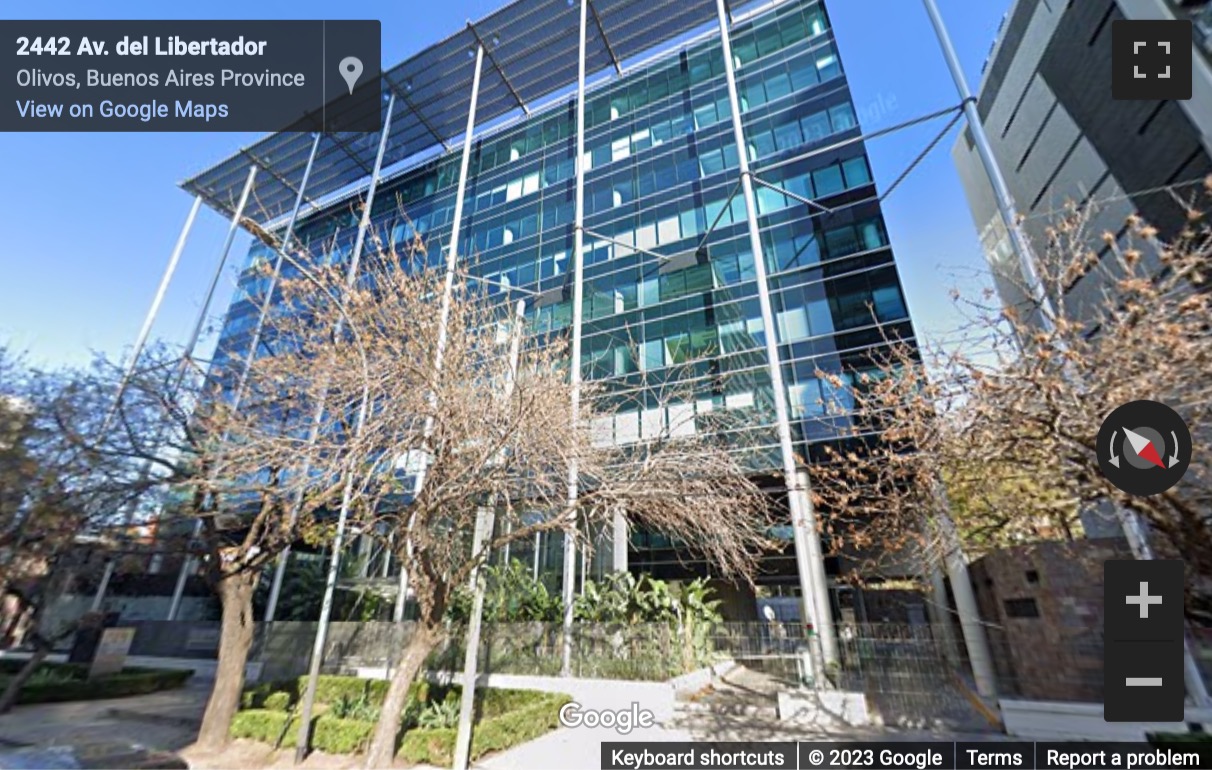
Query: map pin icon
[[351, 70]]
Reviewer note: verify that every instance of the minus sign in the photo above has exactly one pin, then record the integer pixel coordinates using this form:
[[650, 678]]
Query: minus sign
[[1143, 681]]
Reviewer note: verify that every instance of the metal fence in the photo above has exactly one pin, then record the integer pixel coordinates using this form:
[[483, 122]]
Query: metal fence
[[910, 677]]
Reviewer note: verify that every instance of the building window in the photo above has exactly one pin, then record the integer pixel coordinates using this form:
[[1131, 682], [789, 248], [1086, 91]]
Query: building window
[[1021, 608], [804, 399], [828, 181], [793, 325], [842, 117], [856, 171], [739, 400], [888, 304], [668, 231], [620, 149], [827, 66], [652, 355]]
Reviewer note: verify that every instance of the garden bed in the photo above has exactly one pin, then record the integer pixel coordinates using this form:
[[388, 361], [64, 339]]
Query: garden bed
[[347, 709], [58, 682]]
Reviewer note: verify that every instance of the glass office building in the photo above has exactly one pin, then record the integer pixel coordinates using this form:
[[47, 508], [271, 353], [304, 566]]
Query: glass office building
[[669, 273]]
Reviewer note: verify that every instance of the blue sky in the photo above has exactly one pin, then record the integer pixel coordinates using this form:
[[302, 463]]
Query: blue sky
[[89, 220]]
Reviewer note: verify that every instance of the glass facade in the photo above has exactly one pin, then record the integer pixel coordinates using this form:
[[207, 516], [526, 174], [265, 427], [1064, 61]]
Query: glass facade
[[661, 170]]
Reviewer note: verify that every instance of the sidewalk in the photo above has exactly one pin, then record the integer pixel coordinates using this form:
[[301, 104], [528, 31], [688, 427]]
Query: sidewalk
[[169, 721], [576, 749], [165, 720]]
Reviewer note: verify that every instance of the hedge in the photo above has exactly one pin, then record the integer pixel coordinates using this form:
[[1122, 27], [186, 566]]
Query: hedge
[[341, 736], [436, 746], [127, 682], [265, 726], [14, 665], [507, 718], [282, 696]]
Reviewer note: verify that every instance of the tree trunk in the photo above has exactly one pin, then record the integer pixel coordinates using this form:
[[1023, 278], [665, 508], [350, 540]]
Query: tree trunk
[[382, 749], [235, 640], [9, 698]]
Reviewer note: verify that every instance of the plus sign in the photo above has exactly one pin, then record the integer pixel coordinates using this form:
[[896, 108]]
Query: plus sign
[[1144, 600]]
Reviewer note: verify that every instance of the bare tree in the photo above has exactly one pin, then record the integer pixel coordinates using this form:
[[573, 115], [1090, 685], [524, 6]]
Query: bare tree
[[1008, 432], [488, 432], [51, 492], [174, 449]]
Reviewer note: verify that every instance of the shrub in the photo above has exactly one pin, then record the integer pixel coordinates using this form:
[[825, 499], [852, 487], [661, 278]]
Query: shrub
[[14, 665], [506, 717], [341, 736], [280, 729], [439, 715], [279, 701], [266, 726], [257, 696], [360, 707], [508, 729], [128, 681], [330, 689]]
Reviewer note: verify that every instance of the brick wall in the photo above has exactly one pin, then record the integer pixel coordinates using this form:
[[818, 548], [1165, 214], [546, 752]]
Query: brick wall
[[1044, 606]]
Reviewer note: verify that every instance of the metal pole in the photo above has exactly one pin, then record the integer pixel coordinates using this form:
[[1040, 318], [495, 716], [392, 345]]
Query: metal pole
[[538, 543], [971, 626], [1001, 192], [485, 520], [190, 564], [334, 565], [483, 531], [940, 613], [1133, 531], [148, 320], [452, 259], [505, 554], [621, 540], [578, 293], [99, 596], [810, 563], [153, 311], [275, 588]]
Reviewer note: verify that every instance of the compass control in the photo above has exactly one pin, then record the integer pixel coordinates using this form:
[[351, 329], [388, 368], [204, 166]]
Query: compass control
[[1144, 448]]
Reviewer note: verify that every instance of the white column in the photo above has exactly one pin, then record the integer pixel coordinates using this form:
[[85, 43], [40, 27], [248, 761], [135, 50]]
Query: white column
[[334, 564], [810, 563], [275, 587], [620, 540], [940, 614], [148, 320], [485, 519], [452, 261], [538, 542], [190, 564], [971, 626], [578, 293]]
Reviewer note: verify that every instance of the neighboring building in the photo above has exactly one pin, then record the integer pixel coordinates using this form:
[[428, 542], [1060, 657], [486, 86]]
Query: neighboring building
[[1043, 608], [661, 163], [1045, 103]]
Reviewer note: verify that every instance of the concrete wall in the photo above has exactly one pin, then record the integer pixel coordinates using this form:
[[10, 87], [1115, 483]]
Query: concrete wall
[[70, 607]]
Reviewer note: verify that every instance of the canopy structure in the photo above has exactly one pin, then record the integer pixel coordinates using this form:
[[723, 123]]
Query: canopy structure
[[530, 50]]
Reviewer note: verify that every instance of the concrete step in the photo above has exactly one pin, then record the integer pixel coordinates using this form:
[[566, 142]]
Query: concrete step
[[726, 708]]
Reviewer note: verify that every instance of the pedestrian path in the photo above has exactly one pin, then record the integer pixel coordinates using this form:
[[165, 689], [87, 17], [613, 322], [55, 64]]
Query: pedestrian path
[[163, 720]]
